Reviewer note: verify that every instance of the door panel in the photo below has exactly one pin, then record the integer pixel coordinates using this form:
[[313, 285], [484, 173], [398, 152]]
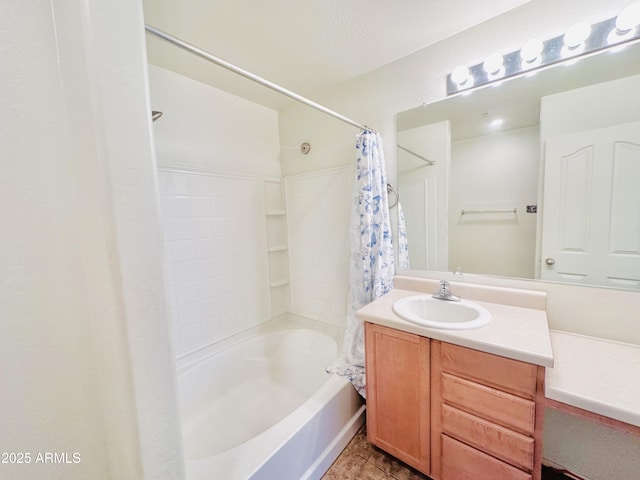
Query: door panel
[[591, 214]]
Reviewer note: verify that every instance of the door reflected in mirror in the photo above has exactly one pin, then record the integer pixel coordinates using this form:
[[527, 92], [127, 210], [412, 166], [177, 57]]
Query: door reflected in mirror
[[537, 178]]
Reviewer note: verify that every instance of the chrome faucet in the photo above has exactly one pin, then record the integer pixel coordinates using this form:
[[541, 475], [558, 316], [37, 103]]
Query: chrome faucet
[[445, 294]]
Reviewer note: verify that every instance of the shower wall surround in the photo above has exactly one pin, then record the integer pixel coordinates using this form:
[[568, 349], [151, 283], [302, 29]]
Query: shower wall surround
[[209, 130], [215, 243], [225, 218], [318, 209], [219, 173]]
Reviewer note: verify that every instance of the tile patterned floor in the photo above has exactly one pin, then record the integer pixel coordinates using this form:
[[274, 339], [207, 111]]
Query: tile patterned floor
[[362, 461]]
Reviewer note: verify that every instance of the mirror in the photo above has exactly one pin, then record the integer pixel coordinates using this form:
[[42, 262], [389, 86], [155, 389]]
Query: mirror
[[518, 187]]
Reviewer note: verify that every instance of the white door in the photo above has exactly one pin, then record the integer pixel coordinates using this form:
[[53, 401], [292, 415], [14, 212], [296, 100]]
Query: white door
[[591, 214]]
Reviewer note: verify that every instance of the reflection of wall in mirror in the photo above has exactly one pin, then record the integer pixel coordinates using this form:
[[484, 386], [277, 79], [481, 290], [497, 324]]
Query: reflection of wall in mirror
[[424, 190], [595, 106], [494, 172]]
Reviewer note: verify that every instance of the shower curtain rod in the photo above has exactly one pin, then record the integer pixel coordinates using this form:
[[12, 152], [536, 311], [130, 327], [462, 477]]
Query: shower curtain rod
[[244, 73], [430, 162]]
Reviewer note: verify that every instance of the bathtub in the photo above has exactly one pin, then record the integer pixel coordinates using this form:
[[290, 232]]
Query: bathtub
[[261, 405]]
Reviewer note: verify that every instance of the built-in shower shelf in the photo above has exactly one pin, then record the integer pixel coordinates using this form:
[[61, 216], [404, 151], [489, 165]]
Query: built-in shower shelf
[[277, 248]]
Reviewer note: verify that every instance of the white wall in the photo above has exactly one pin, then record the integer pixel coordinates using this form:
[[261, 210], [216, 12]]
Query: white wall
[[417, 79], [87, 367], [215, 152], [498, 171]]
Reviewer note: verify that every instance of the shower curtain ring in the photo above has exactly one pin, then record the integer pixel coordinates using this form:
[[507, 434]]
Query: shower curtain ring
[[390, 190]]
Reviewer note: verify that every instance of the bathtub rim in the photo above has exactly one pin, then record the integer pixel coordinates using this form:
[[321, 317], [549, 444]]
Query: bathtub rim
[[287, 321]]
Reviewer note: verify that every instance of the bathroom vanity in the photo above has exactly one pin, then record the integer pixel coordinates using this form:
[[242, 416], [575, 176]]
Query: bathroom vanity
[[460, 404]]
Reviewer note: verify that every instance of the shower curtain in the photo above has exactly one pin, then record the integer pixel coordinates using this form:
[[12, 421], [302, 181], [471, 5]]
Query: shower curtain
[[403, 244], [371, 251]]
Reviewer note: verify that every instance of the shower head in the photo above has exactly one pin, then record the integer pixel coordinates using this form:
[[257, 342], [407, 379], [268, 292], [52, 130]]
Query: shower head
[[155, 115]]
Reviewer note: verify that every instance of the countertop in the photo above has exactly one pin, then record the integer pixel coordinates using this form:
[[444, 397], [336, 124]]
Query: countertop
[[514, 332], [597, 375]]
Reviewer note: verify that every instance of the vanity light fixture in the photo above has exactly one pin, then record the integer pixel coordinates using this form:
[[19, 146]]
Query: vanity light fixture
[[580, 40]]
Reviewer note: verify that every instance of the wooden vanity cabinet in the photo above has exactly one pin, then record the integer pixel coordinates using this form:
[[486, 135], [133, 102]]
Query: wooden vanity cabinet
[[398, 394], [485, 410]]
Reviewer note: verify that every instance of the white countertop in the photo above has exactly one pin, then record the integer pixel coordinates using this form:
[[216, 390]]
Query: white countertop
[[598, 375], [514, 332]]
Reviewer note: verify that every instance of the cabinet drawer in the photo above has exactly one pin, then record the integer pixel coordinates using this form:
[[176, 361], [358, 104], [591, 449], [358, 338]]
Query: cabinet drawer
[[500, 442], [509, 375], [462, 462], [502, 408]]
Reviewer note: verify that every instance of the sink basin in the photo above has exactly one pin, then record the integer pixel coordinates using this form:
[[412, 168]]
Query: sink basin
[[429, 312]]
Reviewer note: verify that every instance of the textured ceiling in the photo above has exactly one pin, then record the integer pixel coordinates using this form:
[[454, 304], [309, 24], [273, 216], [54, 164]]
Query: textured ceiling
[[304, 45]]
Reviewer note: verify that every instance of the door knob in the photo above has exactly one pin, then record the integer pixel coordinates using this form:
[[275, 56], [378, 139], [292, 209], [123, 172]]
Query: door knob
[[549, 261]]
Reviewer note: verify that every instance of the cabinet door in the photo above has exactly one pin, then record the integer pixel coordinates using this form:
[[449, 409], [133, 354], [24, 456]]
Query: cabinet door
[[398, 391]]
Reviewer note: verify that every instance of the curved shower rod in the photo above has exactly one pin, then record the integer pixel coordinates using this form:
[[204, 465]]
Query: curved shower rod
[[246, 74]]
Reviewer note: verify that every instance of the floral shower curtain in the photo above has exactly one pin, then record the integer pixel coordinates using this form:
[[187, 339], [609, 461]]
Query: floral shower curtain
[[403, 244], [371, 250]]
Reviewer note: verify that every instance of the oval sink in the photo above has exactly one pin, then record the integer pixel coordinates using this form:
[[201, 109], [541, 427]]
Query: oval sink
[[429, 312]]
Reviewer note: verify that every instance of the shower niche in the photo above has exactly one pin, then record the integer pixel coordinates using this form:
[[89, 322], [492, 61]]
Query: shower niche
[[277, 246]]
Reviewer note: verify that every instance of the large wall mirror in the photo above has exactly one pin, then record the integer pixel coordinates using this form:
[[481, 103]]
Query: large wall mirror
[[536, 178]]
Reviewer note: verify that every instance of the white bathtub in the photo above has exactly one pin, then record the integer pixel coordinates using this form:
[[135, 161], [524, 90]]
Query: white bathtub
[[263, 407]]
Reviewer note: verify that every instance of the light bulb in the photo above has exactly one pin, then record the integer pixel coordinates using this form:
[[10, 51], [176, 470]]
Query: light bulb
[[577, 34], [531, 50], [628, 18], [460, 74], [493, 64], [616, 37]]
